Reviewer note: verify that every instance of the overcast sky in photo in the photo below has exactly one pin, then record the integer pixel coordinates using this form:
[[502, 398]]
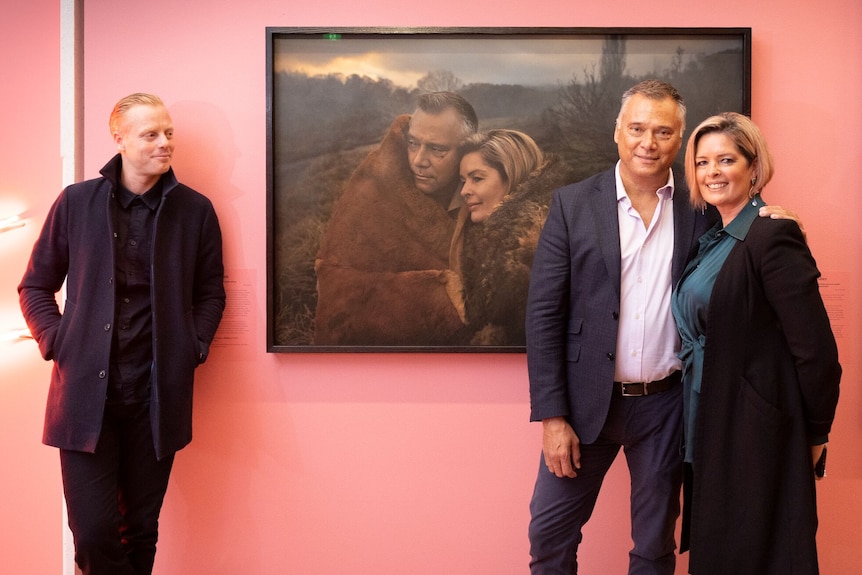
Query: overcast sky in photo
[[532, 61]]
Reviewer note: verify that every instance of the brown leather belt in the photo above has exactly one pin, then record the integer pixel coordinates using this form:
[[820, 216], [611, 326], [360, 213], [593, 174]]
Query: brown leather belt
[[641, 388]]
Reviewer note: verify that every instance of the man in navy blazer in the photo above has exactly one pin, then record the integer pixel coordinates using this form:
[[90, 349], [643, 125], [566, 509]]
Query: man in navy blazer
[[602, 343], [140, 255]]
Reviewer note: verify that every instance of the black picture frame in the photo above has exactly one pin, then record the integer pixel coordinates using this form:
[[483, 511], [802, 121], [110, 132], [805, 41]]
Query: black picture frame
[[332, 93]]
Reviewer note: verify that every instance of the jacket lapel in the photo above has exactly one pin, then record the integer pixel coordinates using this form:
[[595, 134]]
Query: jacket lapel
[[603, 201], [684, 240]]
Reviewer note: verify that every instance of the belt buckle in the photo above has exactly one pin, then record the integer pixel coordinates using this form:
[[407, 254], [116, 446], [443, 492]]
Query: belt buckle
[[638, 389]]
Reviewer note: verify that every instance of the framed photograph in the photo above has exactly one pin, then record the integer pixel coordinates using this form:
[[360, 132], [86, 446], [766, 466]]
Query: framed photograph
[[368, 245]]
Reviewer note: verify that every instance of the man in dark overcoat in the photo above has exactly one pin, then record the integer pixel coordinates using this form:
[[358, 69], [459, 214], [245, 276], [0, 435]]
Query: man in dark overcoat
[[140, 255]]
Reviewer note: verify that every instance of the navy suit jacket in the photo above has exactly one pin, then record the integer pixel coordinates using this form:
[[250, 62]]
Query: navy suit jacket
[[574, 299]]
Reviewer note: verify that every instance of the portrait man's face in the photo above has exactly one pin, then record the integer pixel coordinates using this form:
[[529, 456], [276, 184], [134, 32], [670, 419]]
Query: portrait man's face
[[432, 150], [648, 137], [145, 139]]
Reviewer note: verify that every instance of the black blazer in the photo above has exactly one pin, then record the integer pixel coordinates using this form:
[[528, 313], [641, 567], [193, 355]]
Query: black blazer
[[770, 386], [574, 299]]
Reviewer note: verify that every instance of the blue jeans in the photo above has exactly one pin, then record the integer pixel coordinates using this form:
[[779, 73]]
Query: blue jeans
[[649, 430]]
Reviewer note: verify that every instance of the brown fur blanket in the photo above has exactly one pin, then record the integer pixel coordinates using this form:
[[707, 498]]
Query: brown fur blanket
[[382, 269], [497, 255]]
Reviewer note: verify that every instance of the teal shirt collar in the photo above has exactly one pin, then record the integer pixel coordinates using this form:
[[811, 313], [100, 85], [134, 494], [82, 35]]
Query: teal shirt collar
[[738, 228]]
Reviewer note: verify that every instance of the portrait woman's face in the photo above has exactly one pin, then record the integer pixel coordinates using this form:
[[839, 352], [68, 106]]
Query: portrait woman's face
[[484, 187], [723, 174]]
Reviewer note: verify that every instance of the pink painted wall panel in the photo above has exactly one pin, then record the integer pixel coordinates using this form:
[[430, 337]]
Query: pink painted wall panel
[[321, 464], [30, 175], [421, 464]]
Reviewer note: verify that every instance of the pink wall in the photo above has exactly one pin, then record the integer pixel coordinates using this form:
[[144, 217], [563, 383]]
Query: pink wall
[[374, 464], [30, 504]]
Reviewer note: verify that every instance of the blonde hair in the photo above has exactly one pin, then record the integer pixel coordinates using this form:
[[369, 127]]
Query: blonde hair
[[123, 106], [747, 138], [513, 154]]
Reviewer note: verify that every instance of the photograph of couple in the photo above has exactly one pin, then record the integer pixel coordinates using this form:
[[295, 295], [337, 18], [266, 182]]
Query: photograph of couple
[[410, 174]]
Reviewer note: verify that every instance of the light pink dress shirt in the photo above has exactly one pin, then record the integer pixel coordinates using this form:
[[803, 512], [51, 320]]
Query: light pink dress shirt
[[648, 341]]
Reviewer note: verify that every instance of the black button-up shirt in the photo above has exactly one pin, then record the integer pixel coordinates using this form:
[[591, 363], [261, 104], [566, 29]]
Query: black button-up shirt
[[132, 344]]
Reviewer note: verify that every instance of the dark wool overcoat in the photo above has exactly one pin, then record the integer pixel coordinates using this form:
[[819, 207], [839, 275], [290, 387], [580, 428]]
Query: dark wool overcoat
[[188, 298], [497, 255], [770, 385]]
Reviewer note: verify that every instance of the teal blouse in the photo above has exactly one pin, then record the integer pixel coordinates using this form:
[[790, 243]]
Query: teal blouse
[[690, 306]]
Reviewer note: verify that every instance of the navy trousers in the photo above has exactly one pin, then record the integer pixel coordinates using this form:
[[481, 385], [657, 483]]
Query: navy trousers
[[114, 496], [649, 430]]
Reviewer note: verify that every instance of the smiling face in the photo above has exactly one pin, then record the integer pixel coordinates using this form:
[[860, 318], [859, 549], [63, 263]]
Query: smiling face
[[723, 174], [648, 134], [432, 150], [484, 187], [144, 137]]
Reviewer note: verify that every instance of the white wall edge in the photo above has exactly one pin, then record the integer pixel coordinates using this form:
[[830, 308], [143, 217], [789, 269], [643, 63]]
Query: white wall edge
[[71, 118]]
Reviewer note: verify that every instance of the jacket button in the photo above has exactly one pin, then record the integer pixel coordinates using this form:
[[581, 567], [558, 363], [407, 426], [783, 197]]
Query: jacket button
[[615, 315], [102, 374], [107, 327], [611, 356]]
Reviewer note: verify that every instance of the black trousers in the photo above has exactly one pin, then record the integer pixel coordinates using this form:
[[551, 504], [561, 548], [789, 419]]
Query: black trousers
[[114, 496]]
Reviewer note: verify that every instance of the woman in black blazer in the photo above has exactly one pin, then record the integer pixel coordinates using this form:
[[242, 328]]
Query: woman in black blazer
[[761, 368]]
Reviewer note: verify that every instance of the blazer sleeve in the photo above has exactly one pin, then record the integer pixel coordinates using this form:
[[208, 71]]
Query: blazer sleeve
[[43, 278], [547, 312], [789, 277], [209, 292]]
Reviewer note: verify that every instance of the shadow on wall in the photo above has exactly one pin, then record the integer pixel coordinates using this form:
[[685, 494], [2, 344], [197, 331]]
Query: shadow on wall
[[204, 158]]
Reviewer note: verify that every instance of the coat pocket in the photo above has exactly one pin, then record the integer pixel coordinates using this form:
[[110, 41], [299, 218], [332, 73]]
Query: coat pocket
[[62, 330], [759, 410], [573, 343]]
